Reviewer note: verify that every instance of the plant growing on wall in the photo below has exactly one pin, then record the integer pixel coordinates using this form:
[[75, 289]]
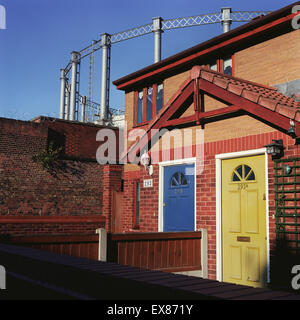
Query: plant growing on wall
[[48, 158]]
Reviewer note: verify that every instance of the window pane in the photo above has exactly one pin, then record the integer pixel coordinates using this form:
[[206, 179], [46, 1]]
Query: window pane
[[178, 179], [149, 103], [159, 97], [227, 66], [235, 177], [139, 118], [247, 170], [239, 170], [214, 67]]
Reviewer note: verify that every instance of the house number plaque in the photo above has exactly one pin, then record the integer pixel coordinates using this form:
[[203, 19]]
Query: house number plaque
[[148, 183]]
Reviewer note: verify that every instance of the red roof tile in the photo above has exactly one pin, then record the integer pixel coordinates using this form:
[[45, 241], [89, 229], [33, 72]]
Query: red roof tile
[[265, 96]]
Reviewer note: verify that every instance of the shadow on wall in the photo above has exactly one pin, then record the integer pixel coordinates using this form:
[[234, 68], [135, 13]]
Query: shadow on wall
[[283, 258]]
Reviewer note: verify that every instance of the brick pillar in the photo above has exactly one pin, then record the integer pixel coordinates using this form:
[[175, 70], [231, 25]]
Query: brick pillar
[[112, 181]]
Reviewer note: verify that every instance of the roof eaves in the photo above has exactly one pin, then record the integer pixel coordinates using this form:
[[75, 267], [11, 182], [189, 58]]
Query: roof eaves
[[255, 23]]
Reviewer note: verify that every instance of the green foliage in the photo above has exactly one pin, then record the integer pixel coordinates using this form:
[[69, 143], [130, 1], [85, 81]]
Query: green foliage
[[48, 158]]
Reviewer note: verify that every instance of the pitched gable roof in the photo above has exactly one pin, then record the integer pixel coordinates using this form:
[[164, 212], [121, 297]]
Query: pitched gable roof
[[259, 101]]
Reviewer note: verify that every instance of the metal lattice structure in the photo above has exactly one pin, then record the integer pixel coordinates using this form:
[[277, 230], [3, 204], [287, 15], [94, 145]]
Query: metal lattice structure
[[70, 98], [237, 16]]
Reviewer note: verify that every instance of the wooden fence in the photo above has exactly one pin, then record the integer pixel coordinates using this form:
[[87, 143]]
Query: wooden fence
[[184, 252], [178, 252], [90, 246]]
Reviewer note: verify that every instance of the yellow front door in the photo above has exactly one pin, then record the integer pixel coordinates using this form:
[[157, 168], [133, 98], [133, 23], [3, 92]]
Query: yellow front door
[[244, 221]]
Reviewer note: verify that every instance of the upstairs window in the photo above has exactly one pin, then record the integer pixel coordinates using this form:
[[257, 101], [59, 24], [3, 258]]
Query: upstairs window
[[139, 118], [214, 67], [224, 65], [159, 97], [148, 102], [227, 66]]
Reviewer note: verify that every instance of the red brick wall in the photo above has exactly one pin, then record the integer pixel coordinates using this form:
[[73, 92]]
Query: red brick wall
[[206, 189], [78, 139], [72, 189], [111, 181], [130, 177]]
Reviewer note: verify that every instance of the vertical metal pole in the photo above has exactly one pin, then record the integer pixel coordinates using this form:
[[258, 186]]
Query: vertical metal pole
[[83, 105], [157, 30], [67, 101], [226, 19], [62, 93], [74, 61], [105, 76]]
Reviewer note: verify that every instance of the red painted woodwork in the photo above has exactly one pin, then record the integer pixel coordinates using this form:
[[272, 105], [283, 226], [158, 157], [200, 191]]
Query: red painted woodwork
[[208, 115], [178, 100], [262, 102], [83, 246], [166, 251], [254, 109], [53, 219]]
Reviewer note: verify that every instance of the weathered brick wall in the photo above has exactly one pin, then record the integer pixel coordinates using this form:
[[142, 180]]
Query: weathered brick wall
[[77, 138], [70, 190]]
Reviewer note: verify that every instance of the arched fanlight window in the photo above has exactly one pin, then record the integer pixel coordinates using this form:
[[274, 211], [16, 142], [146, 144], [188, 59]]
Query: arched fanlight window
[[178, 180], [243, 173]]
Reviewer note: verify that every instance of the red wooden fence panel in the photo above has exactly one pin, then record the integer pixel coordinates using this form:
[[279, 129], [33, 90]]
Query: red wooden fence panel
[[165, 251], [84, 246]]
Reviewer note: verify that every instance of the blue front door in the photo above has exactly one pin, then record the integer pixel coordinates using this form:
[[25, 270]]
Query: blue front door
[[179, 198]]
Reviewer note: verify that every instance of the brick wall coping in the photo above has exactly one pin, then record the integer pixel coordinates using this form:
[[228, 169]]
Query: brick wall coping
[[53, 219]]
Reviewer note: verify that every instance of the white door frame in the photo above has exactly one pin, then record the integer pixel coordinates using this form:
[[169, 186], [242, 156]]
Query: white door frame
[[162, 165], [219, 158]]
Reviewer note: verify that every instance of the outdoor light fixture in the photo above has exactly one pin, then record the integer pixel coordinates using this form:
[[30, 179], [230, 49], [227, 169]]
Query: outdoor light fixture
[[145, 161], [288, 169], [292, 131], [275, 149]]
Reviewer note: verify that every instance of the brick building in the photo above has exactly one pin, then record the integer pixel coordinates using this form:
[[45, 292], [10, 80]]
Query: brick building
[[72, 197], [222, 102]]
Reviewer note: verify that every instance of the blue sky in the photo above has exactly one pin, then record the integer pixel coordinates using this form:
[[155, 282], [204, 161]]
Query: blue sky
[[41, 34]]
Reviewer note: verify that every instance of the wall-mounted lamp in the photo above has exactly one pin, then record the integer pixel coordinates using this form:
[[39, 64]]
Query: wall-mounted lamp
[[292, 130], [145, 161], [275, 149], [287, 169]]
